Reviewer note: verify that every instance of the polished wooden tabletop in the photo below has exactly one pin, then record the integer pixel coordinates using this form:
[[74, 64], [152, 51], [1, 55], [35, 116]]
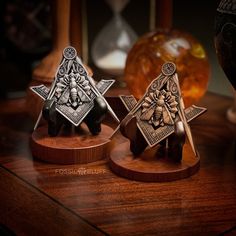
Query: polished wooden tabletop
[[37, 198]]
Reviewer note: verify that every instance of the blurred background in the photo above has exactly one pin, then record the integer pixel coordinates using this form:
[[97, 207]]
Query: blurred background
[[26, 35]]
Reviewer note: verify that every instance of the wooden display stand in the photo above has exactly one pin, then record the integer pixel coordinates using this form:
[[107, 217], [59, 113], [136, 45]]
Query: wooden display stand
[[149, 167], [156, 129], [71, 148]]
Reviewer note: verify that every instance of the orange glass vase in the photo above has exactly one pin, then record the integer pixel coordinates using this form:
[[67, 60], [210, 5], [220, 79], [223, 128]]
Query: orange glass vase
[[153, 49]]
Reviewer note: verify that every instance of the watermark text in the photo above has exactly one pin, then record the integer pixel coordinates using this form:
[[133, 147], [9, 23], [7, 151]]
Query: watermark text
[[79, 171]]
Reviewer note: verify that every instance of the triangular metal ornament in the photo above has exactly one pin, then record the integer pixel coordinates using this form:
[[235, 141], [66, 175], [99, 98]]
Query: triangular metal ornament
[[160, 107], [73, 90]]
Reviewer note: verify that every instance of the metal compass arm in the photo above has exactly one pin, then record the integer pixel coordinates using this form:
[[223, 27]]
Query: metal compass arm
[[95, 90], [183, 117], [98, 94]]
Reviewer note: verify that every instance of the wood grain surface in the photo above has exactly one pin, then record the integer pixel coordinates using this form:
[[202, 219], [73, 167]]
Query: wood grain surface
[[71, 147], [149, 167], [94, 198]]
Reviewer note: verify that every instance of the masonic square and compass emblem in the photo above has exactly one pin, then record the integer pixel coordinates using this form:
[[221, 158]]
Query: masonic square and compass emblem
[[73, 90], [160, 108]]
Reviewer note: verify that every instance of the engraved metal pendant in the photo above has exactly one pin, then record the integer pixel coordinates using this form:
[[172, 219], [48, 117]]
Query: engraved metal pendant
[[73, 90]]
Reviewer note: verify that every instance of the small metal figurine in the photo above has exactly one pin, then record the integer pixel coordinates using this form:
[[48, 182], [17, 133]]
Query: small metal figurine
[[73, 97], [159, 117]]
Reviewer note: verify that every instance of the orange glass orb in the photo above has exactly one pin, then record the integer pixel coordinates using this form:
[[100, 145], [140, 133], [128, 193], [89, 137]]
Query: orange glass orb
[[145, 60]]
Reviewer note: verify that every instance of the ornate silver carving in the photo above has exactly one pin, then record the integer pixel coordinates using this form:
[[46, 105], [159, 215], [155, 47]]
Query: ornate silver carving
[[160, 107], [41, 90], [129, 101], [168, 68], [69, 53], [152, 135], [73, 89]]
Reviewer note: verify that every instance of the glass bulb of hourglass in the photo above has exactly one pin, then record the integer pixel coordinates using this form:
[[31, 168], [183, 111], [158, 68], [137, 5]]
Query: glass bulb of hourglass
[[111, 46]]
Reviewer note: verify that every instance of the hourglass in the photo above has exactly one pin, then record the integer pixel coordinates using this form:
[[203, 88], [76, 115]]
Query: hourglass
[[111, 46]]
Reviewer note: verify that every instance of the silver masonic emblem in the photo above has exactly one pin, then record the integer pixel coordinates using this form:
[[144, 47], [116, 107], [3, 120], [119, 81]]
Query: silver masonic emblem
[[160, 107], [73, 89]]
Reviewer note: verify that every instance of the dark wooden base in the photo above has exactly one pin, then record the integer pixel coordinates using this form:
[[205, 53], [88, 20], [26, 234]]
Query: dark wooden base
[[150, 168], [71, 148]]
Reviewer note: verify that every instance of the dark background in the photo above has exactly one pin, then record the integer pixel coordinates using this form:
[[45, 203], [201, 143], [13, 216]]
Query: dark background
[[24, 41]]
